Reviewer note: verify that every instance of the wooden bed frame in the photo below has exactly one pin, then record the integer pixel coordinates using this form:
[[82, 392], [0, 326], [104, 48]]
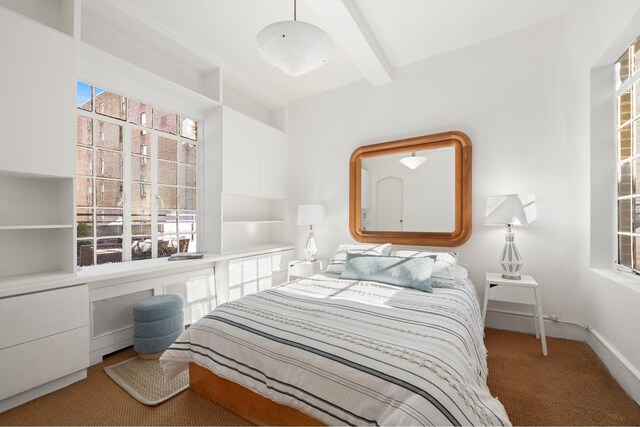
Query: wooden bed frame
[[244, 402]]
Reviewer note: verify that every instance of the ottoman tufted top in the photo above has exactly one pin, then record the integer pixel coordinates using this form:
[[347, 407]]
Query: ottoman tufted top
[[157, 307]]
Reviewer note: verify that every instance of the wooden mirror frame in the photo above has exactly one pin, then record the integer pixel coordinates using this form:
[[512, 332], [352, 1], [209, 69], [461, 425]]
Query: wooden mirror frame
[[462, 146]]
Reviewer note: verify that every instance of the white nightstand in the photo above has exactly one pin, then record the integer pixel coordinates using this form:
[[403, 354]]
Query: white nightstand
[[523, 291], [298, 269]]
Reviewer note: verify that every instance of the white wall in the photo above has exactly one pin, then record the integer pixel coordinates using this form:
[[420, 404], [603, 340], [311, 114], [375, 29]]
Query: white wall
[[503, 94], [596, 35], [524, 99]]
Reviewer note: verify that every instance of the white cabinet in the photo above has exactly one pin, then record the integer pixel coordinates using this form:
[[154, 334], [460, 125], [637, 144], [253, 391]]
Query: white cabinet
[[38, 362], [111, 305], [255, 157], [274, 164], [247, 275], [41, 314], [44, 337], [255, 183], [240, 154], [38, 87]]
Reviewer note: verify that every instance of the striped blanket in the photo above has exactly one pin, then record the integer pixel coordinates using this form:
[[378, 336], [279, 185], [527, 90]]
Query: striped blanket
[[348, 352]]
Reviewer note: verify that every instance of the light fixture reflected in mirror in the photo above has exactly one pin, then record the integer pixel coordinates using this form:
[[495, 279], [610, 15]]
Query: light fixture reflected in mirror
[[413, 161]]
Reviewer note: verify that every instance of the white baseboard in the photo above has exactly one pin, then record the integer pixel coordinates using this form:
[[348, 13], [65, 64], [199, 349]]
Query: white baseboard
[[97, 356], [524, 323], [625, 374], [36, 392]]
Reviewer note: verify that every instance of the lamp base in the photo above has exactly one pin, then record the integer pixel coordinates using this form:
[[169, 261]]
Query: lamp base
[[510, 259], [310, 249]]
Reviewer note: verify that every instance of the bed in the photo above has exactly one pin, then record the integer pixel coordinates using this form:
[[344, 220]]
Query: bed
[[322, 350]]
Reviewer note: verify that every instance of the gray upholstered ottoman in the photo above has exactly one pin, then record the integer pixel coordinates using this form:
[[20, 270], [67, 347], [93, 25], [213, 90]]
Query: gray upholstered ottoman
[[157, 322]]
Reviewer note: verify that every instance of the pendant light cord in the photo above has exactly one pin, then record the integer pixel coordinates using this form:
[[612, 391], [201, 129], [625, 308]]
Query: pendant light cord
[[295, 9]]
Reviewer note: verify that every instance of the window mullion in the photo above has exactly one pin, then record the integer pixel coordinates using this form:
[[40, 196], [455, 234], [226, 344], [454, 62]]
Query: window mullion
[[200, 231], [154, 194], [127, 196], [94, 182]]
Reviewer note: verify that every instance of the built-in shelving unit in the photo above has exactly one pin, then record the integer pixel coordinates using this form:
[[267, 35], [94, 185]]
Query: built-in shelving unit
[[249, 222], [254, 222], [61, 15], [36, 225]]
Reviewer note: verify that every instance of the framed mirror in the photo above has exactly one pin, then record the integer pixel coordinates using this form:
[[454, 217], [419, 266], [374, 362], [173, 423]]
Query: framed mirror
[[414, 191]]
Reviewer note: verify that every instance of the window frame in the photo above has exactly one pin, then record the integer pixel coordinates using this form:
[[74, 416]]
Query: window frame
[[631, 85], [128, 126]]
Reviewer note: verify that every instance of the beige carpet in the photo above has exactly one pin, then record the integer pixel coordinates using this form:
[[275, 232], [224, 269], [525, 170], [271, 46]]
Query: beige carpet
[[145, 381], [100, 401], [569, 387]]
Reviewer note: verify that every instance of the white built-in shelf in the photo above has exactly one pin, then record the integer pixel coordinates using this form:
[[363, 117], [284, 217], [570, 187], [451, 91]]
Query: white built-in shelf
[[255, 222], [250, 222], [35, 227], [37, 222]]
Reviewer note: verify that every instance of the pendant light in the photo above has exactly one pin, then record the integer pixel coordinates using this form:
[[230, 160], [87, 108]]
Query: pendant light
[[294, 47], [413, 162]]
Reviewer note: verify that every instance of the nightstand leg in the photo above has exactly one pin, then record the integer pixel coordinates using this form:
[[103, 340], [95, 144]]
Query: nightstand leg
[[535, 320], [485, 303], [543, 337]]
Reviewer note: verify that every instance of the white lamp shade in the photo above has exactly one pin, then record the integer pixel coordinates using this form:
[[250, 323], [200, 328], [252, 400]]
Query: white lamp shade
[[413, 161], [294, 47], [310, 214], [511, 209]]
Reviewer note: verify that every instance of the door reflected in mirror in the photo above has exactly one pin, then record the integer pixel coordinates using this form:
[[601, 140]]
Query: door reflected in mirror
[[397, 197]]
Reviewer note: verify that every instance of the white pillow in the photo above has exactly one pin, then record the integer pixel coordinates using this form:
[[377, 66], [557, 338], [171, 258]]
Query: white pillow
[[339, 258], [443, 274]]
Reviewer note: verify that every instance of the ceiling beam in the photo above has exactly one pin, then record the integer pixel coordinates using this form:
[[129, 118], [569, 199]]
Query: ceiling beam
[[346, 26]]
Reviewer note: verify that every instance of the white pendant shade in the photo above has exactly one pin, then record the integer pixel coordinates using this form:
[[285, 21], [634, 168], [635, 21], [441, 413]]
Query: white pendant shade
[[294, 47], [413, 161]]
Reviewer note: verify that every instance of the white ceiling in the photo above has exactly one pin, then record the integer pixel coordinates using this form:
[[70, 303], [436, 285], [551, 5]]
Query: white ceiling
[[400, 32], [412, 30]]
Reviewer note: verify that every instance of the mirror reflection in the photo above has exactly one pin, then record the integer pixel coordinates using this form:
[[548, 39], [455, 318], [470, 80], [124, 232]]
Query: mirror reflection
[[411, 191]]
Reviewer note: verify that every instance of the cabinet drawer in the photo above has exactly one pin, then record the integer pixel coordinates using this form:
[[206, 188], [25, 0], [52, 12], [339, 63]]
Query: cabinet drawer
[[25, 366], [42, 314], [507, 293]]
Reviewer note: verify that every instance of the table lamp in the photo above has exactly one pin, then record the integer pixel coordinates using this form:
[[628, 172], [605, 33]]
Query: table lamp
[[510, 210], [310, 215]]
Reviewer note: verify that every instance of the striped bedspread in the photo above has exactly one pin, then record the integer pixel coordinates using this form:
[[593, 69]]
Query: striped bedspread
[[347, 352]]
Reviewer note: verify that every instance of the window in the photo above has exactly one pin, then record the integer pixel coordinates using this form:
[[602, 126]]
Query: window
[[136, 179], [627, 84]]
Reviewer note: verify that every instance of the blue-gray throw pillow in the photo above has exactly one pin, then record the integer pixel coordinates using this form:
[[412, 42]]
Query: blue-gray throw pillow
[[408, 272]]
